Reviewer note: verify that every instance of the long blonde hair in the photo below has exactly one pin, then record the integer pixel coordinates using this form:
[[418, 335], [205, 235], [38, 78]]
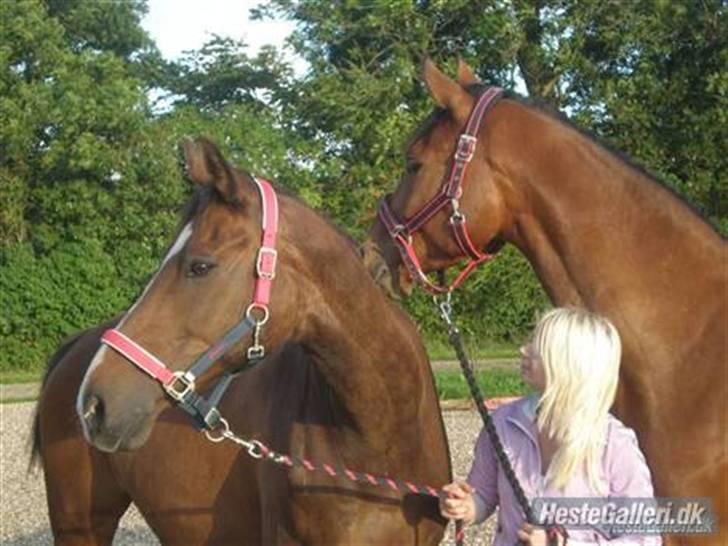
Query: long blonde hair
[[580, 352]]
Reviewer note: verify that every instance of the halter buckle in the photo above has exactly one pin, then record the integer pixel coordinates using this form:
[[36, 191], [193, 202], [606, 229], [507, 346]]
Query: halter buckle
[[183, 379], [266, 269], [465, 148]]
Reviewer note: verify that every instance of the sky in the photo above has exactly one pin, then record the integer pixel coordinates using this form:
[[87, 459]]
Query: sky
[[182, 25]]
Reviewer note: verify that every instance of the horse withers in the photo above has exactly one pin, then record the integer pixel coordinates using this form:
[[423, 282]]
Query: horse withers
[[366, 367], [599, 233]]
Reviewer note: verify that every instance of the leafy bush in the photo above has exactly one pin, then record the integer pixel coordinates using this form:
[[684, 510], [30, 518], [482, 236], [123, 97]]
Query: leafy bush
[[496, 307], [45, 299]]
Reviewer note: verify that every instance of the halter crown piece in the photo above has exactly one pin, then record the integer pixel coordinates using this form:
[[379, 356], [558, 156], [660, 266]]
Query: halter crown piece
[[180, 385], [450, 192]]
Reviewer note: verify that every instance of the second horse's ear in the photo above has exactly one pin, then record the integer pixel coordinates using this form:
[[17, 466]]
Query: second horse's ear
[[466, 76], [206, 166], [447, 93]]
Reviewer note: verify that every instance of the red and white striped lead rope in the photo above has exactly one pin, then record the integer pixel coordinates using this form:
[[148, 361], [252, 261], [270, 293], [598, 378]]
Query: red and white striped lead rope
[[258, 450]]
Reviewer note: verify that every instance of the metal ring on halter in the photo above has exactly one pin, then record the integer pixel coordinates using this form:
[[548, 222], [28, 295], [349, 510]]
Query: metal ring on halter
[[457, 216], [401, 232], [398, 229], [225, 426], [261, 307]]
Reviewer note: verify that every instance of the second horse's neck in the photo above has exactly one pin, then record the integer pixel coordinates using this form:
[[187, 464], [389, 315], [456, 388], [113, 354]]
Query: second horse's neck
[[592, 226]]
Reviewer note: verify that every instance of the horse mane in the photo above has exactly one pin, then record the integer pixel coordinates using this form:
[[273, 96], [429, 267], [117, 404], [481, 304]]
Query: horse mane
[[558, 116], [53, 361]]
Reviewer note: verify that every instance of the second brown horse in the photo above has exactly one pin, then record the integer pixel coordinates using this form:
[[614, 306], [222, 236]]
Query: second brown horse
[[600, 234]]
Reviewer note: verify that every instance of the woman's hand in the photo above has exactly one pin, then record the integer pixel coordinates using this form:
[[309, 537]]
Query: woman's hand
[[457, 502], [536, 536]]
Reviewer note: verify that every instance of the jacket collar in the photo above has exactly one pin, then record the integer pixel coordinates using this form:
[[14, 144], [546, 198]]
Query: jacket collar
[[524, 416]]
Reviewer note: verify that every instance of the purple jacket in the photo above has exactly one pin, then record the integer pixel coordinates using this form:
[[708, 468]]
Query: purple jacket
[[624, 468]]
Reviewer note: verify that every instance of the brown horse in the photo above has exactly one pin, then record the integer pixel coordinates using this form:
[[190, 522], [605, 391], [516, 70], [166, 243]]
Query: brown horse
[[202, 493], [601, 234], [349, 384]]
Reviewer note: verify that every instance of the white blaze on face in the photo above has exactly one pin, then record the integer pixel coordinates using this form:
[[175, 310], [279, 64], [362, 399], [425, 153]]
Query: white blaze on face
[[182, 239]]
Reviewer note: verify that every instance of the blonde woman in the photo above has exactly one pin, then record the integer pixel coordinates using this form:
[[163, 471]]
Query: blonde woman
[[561, 441]]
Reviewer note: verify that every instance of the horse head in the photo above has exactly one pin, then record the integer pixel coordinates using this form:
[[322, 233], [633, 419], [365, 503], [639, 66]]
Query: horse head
[[205, 285], [421, 225]]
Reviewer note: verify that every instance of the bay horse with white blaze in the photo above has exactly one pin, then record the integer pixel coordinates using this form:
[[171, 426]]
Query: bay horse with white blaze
[[599, 233], [189, 490], [338, 334]]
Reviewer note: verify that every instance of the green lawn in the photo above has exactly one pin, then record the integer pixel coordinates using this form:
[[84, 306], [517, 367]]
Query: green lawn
[[14, 377], [440, 350], [493, 383], [450, 384], [436, 350]]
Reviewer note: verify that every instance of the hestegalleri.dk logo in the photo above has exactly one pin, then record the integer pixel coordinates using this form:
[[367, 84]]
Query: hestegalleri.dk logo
[[629, 516]]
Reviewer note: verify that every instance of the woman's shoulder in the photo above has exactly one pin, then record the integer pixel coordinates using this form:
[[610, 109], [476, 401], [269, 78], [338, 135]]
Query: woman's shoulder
[[622, 444], [520, 409], [618, 433]]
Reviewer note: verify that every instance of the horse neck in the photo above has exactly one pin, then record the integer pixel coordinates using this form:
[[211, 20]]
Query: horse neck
[[597, 231], [367, 349]]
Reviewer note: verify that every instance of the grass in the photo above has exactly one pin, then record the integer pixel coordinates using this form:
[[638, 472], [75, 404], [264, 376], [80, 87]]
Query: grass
[[451, 385], [441, 350], [18, 400], [437, 350], [24, 376]]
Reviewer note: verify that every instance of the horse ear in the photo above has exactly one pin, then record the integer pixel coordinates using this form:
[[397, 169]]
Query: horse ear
[[446, 92], [466, 76], [205, 165]]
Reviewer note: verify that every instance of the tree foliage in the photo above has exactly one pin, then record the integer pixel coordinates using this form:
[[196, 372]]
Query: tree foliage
[[90, 182]]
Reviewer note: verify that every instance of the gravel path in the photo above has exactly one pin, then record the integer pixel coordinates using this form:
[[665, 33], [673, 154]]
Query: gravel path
[[24, 519]]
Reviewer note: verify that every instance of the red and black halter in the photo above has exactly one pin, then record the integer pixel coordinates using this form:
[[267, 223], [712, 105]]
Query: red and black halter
[[450, 192], [180, 385]]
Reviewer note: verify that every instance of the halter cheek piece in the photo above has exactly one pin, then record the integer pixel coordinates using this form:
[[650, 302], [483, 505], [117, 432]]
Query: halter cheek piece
[[450, 192], [180, 385]]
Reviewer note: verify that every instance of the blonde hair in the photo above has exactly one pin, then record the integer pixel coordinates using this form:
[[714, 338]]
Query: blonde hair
[[580, 352]]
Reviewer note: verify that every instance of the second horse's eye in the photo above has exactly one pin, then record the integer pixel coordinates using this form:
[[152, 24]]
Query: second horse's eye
[[199, 269], [412, 166]]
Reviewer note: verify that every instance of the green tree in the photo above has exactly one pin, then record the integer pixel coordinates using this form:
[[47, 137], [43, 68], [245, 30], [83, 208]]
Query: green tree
[[650, 81], [112, 27], [80, 164], [221, 73]]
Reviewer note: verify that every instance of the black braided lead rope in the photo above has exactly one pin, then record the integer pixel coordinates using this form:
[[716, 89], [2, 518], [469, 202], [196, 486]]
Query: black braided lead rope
[[456, 340]]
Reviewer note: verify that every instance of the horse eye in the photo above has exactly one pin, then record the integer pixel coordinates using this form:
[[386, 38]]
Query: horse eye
[[199, 269], [411, 167]]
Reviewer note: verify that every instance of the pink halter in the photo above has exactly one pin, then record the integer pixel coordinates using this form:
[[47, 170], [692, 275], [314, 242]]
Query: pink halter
[[180, 385]]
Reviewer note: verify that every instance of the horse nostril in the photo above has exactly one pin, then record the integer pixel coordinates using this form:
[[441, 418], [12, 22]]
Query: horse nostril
[[93, 412]]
